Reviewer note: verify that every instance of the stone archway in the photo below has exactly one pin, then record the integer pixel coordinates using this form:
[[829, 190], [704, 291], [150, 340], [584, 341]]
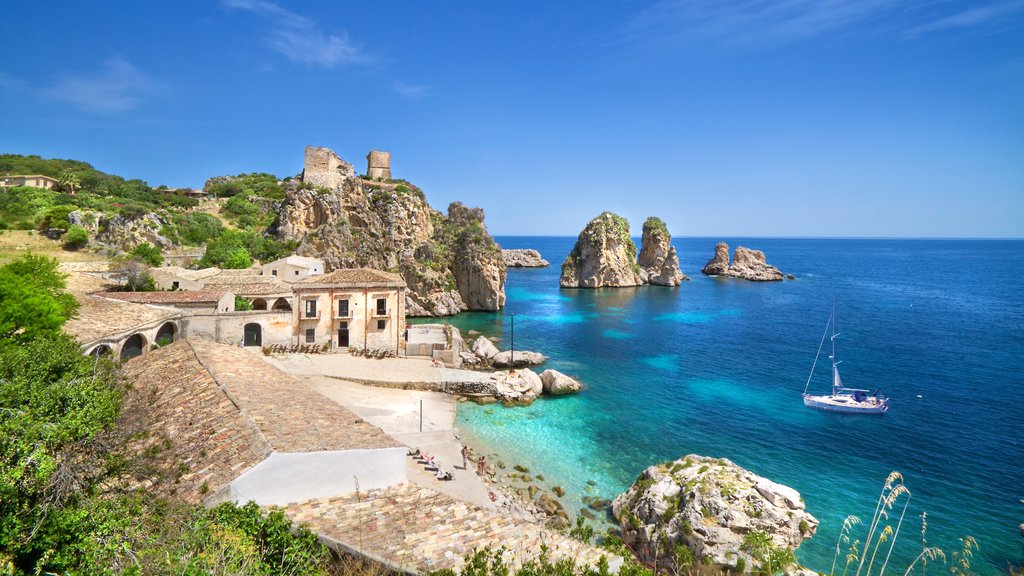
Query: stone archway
[[134, 345], [259, 304], [252, 335], [100, 350], [282, 304], [166, 334]]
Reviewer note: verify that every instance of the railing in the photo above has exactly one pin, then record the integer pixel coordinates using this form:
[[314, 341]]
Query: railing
[[307, 315]]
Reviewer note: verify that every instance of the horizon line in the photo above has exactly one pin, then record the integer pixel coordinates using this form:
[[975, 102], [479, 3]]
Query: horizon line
[[985, 238]]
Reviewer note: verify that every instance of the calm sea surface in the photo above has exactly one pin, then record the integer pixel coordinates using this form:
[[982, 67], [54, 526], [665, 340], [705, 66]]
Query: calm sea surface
[[716, 367]]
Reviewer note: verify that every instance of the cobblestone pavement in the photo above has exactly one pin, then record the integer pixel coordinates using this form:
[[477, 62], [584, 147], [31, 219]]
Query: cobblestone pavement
[[417, 529]]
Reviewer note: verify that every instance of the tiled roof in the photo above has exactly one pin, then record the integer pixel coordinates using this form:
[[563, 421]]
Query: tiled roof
[[300, 260], [179, 272], [354, 277], [250, 288], [98, 317], [225, 409], [174, 297]]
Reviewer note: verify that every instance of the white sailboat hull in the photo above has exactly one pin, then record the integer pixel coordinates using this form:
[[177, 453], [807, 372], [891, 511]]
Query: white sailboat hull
[[846, 404]]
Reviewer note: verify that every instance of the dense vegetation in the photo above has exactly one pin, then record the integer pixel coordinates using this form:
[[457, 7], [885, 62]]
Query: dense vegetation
[[252, 202], [71, 500]]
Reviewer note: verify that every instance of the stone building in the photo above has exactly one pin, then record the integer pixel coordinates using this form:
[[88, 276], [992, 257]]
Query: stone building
[[356, 308], [211, 301], [293, 268], [323, 167], [34, 180], [378, 165]]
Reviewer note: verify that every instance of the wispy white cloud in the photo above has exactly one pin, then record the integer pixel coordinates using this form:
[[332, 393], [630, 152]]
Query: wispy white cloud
[[117, 87], [410, 91], [969, 18], [300, 38], [773, 22]]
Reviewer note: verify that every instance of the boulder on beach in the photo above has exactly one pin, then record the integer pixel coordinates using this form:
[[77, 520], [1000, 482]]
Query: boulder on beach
[[556, 383], [520, 388], [746, 264], [522, 358], [708, 505], [484, 348]]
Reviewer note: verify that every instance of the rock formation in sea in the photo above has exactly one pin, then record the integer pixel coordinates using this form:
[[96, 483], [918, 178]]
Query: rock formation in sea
[[746, 264], [556, 383], [604, 255], [523, 258], [708, 505], [658, 258], [507, 359], [449, 262]]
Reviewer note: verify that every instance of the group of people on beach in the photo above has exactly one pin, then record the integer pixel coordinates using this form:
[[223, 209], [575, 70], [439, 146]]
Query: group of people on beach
[[481, 462]]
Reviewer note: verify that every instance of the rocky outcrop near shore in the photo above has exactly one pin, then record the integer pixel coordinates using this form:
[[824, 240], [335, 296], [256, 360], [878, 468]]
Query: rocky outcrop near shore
[[658, 258], [449, 262], [523, 258], [604, 255], [121, 231], [557, 384], [746, 264], [708, 505]]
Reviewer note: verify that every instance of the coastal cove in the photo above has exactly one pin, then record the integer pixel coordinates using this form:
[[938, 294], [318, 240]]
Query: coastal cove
[[716, 367]]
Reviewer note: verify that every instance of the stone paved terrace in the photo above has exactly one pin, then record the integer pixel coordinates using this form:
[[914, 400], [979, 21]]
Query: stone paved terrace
[[418, 530]]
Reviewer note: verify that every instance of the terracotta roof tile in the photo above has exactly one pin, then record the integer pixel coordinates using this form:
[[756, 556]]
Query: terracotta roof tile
[[174, 297], [354, 277]]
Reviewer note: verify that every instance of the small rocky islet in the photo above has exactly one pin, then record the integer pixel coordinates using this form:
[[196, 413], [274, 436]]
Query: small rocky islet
[[606, 256], [746, 264]]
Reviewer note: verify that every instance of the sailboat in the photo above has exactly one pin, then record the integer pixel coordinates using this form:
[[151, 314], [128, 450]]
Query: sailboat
[[842, 399]]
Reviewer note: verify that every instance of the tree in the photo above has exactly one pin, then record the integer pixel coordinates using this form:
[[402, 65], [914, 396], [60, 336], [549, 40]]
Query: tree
[[68, 182], [149, 254], [242, 304], [32, 298], [76, 237], [134, 273]]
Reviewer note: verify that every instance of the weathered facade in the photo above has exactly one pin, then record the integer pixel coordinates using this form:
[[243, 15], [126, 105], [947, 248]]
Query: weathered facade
[[378, 165], [358, 308]]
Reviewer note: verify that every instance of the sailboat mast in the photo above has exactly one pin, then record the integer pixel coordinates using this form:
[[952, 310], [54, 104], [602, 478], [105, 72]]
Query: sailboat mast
[[833, 357]]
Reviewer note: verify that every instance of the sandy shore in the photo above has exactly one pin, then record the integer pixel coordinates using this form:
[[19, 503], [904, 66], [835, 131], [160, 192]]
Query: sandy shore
[[417, 418]]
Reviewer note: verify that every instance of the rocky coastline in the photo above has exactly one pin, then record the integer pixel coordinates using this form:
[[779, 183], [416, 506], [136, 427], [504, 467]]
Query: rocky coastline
[[746, 264], [523, 258], [708, 506]]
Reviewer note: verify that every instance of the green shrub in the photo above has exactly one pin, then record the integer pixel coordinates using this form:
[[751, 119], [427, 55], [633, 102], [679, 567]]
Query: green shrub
[[242, 304], [149, 254], [76, 237]]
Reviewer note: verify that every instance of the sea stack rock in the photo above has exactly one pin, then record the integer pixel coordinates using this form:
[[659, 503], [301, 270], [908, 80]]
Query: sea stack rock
[[746, 264], [657, 256], [708, 505], [524, 258], [604, 255]]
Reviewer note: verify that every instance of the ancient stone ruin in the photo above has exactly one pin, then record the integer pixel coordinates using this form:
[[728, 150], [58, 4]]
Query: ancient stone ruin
[[378, 165]]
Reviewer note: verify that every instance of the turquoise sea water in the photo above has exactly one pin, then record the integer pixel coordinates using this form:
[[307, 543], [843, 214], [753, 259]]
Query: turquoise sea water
[[716, 367]]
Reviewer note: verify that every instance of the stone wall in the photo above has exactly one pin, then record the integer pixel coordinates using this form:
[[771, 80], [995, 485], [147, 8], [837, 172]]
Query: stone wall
[[229, 328], [378, 165], [325, 168]]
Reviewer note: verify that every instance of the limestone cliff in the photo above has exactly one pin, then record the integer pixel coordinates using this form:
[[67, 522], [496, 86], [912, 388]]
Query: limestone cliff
[[123, 232], [746, 264], [708, 505], [658, 257], [524, 258], [604, 255], [450, 263]]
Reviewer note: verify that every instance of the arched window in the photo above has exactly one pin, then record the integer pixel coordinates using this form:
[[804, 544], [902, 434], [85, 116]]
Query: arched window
[[253, 335], [259, 304], [100, 350], [134, 346], [282, 304]]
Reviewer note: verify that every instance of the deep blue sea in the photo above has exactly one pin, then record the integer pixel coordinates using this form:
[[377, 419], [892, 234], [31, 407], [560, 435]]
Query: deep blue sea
[[716, 367]]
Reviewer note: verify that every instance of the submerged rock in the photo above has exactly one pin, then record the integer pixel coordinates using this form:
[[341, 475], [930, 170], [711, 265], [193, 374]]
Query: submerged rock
[[604, 255], [523, 258], [658, 257], [746, 264], [708, 505]]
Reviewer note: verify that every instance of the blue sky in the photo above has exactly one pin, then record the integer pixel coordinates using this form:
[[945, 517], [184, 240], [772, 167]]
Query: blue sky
[[725, 118]]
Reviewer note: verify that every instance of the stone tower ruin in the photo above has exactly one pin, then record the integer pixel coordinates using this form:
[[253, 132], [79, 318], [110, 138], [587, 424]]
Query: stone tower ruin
[[378, 165], [325, 168]]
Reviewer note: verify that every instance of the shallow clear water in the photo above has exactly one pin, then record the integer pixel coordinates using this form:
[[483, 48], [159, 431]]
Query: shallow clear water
[[716, 367]]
